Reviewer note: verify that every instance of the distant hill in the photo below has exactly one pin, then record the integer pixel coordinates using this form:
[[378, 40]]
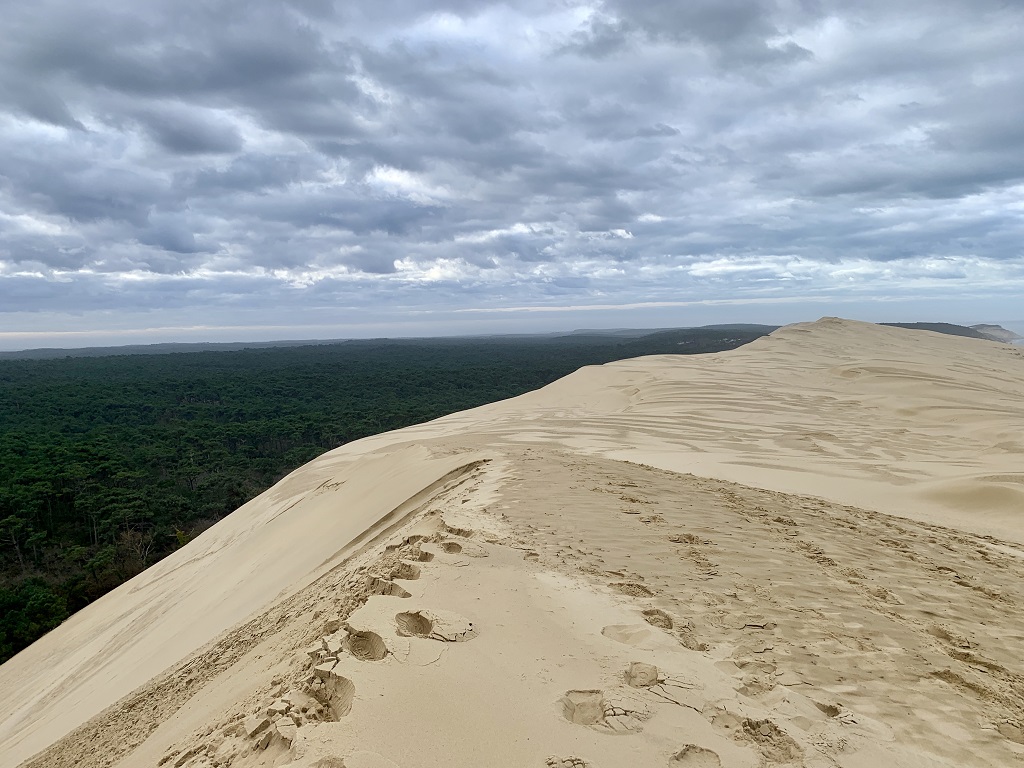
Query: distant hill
[[712, 333], [687, 336], [635, 333], [51, 353], [997, 333], [947, 328]]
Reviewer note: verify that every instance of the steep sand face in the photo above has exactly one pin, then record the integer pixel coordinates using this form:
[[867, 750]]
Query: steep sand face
[[915, 424], [911, 423], [265, 550], [906, 423]]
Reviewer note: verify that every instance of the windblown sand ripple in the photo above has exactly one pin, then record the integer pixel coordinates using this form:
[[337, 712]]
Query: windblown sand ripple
[[803, 552]]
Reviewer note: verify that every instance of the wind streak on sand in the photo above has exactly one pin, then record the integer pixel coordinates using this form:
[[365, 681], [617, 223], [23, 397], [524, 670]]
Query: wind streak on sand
[[775, 628]]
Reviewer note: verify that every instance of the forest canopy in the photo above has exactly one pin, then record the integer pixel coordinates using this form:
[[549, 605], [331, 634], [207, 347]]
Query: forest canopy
[[108, 464]]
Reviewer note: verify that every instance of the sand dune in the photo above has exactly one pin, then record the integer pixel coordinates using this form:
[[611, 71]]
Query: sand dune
[[806, 551]]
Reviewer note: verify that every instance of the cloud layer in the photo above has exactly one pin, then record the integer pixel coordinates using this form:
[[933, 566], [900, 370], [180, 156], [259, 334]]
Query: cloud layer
[[316, 164]]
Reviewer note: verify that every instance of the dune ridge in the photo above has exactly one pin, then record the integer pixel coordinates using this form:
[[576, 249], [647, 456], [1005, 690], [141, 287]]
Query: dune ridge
[[806, 551]]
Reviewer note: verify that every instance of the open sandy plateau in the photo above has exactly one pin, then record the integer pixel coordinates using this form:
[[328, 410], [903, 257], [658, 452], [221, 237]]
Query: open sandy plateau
[[808, 551]]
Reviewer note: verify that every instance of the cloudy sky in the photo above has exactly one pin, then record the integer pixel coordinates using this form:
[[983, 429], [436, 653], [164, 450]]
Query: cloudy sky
[[310, 169]]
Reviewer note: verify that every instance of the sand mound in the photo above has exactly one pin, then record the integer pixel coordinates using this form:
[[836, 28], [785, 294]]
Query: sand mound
[[803, 552]]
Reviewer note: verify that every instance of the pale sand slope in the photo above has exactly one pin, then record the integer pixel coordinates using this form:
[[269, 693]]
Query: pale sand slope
[[913, 423], [862, 640]]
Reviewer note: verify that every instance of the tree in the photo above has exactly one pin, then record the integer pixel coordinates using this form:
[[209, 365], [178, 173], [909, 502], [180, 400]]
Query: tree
[[14, 531], [26, 612]]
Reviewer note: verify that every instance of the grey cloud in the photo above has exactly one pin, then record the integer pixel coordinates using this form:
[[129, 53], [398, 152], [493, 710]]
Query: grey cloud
[[656, 130], [720, 22], [174, 234], [602, 37], [181, 130], [735, 32], [404, 154], [248, 173], [93, 194], [39, 103], [372, 263], [359, 214], [159, 51]]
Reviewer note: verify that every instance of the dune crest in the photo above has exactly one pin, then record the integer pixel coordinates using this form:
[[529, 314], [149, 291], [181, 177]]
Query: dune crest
[[806, 551]]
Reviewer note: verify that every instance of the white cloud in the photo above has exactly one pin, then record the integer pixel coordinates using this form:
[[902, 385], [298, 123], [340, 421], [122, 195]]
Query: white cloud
[[428, 157]]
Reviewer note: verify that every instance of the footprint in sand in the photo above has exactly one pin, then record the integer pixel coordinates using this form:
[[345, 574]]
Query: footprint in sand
[[829, 710], [658, 618], [649, 679], [590, 708], [753, 686], [365, 645], [632, 634], [453, 530], [413, 624], [468, 548], [886, 595], [631, 589], [756, 676], [774, 744], [378, 586], [641, 675], [339, 692], [687, 538], [683, 631], [406, 571], [419, 554], [692, 756], [435, 625]]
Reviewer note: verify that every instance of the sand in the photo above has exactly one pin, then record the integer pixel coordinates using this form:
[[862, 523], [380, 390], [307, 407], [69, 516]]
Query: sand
[[807, 551]]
